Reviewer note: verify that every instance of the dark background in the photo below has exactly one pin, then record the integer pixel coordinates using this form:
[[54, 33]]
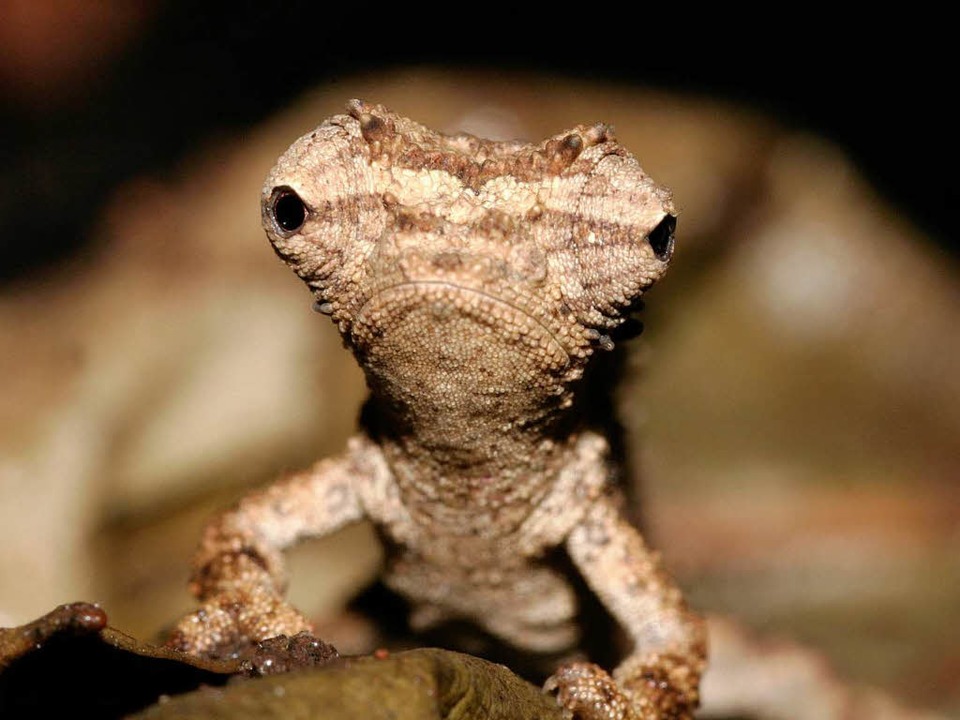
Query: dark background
[[187, 71]]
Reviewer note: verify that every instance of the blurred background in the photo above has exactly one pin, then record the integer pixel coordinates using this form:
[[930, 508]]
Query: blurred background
[[794, 404]]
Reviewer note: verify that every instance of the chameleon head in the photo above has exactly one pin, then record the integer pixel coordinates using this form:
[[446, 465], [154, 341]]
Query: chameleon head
[[500, 265]]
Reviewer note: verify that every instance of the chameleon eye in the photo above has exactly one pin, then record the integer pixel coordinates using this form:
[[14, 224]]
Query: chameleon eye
[[661, 238], [288, 210]]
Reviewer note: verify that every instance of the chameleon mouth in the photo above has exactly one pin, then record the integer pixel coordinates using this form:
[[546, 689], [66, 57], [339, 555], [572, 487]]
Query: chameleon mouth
[[453, 324]]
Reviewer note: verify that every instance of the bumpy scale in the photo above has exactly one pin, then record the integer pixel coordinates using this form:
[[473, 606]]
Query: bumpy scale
[[473, 280]]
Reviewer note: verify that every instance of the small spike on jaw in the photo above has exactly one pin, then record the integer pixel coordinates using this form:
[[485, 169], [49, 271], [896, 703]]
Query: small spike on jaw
[[602, 340]]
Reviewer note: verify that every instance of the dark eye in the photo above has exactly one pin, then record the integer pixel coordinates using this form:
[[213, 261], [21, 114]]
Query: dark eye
[[661, 238], [288, 210]]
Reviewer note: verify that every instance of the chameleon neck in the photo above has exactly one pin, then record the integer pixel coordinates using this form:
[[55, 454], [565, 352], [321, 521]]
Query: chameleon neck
[[467, 470]]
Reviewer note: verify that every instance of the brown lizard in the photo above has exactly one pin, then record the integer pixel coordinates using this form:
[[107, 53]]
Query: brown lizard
[[474, 281]]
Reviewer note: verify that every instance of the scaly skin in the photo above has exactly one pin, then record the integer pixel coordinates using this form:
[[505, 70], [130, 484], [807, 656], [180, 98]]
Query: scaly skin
[[474, 281]]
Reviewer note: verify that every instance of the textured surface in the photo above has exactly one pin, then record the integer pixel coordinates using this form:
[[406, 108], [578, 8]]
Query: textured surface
[[474, 281]]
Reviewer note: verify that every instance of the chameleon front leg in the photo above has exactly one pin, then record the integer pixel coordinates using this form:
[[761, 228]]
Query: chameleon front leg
[[660, 679], [238, 572]]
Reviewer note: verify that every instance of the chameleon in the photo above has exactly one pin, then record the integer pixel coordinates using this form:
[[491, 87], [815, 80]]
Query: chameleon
[[477, 282]]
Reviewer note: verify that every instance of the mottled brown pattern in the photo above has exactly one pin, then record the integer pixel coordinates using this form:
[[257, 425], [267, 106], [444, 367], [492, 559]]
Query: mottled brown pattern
[[474, 281]]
